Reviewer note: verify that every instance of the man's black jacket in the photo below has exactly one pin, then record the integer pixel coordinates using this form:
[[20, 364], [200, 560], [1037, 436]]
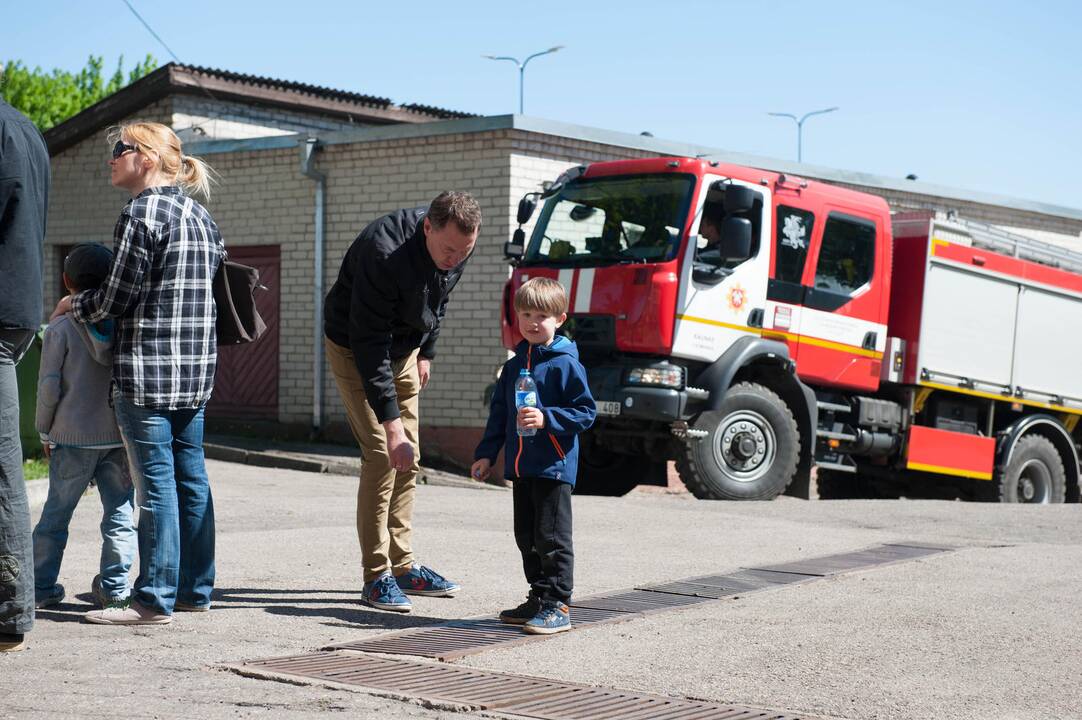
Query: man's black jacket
[[24, 196], [389, 299]]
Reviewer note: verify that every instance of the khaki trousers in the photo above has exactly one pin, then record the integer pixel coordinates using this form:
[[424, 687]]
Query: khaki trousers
[[384, 496]]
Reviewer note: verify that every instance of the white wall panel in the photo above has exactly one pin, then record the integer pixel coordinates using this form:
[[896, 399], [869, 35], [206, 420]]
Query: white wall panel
[[968, 326], [1049, 343]]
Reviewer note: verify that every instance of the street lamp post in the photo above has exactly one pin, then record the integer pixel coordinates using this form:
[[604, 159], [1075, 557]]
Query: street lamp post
[[522, 68], [800, 126]]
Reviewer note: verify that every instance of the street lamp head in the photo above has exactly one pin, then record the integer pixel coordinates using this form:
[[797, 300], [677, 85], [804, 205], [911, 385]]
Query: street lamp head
[[554, 49]]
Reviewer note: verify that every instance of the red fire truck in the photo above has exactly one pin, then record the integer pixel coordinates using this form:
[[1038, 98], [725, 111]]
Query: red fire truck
[[895, 355]]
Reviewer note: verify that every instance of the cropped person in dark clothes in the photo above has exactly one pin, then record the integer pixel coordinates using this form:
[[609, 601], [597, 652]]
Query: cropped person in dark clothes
[[544, 465], [381, 320], [24, 197]]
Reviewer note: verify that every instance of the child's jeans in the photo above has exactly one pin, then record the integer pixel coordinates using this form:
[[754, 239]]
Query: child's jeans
[[543, 536], [70, 471]]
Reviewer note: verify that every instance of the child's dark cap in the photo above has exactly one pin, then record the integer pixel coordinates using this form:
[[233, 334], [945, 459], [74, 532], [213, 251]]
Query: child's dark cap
[[87, 265]]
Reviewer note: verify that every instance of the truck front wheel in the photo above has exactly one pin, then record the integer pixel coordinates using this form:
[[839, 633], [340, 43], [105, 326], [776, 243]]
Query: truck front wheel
[[750, 450]]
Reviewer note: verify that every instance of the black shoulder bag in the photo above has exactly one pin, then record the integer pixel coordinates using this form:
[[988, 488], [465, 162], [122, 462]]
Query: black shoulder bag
[[234, 294]]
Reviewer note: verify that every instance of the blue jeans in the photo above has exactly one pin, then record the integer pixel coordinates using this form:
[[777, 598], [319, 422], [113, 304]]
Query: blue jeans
[[176, 512], [16, 551], [70, 471]]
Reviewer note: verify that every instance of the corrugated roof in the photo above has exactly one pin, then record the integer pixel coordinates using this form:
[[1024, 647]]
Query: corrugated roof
[[173, 78]]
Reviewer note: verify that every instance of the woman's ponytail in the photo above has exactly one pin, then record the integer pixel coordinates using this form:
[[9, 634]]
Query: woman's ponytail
[[194, 176]]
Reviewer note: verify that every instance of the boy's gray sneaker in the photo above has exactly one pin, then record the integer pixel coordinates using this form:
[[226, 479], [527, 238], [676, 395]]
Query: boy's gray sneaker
[[53, 597], [523, 613], [104, 601]]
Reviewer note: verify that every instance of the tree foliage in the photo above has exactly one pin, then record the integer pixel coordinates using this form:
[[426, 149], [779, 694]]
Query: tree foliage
[[50, 98]]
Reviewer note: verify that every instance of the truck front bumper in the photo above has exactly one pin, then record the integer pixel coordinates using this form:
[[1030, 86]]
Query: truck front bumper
[[616, 398]]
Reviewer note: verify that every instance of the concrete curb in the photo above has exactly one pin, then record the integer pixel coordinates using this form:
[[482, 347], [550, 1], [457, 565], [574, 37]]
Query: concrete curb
[[331, 466]]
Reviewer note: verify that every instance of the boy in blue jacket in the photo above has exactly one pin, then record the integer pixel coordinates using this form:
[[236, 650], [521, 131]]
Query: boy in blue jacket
[[543, 465]]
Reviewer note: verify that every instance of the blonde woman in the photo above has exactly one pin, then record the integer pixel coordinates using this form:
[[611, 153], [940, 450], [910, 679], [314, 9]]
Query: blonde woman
[[165, 253]]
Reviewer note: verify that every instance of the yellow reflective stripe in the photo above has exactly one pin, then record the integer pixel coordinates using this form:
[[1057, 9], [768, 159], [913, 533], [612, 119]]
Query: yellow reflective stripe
[[718, 323], [949, 471], [781, 334], [1001, 398], [938, 243]]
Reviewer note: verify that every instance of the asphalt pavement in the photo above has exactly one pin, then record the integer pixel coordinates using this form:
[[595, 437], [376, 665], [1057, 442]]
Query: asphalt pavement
[[989, 630]]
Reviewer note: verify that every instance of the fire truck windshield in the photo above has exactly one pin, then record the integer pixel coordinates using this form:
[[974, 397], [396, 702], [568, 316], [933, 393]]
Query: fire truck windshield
[[613, 219]]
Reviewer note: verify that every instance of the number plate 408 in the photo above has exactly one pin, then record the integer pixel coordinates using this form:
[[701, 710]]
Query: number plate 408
[[607, 407]]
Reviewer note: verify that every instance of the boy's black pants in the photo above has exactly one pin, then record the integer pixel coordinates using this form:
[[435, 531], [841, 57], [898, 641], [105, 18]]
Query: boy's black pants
[[543, 535]]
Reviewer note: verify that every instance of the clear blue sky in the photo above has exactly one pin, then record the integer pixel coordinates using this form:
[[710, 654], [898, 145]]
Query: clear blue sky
[[983, 95]]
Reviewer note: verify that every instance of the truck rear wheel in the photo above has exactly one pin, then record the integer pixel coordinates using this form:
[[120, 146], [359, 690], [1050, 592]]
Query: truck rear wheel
[[1035, 474], [750, 450], [602, 472]]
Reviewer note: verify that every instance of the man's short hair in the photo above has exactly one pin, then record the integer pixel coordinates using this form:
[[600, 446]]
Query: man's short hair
[[713, 213], [458, 207], [541, 294], [87, 265]]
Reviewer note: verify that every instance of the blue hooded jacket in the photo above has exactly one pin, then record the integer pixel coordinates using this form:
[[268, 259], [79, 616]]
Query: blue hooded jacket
[[563, 397]]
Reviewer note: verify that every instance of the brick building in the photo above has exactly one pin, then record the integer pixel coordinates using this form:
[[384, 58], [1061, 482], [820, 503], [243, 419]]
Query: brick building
[[374, 157]]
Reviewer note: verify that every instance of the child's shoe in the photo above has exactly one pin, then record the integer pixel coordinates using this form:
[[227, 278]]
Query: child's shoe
[[12, 642], [104, 601], [54, 597], [523, 613], [419, 580], [384, 593], [554, 617]]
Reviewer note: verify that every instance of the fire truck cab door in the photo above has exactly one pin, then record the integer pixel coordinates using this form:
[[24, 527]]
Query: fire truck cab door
[[715, 311], [842, 329]]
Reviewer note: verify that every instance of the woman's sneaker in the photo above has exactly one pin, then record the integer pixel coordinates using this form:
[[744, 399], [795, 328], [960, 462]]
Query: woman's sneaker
[[554, 617], [523, 613], [419, 580], [133, 614], [384, 593]]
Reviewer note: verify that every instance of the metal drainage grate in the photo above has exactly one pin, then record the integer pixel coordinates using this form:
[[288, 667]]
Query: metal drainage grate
[[635, 601], [504, 693], [456, 639]]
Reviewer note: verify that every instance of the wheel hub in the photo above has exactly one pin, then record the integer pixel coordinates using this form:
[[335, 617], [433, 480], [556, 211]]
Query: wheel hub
[[745, 445]]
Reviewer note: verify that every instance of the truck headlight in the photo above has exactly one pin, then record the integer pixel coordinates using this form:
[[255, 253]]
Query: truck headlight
[[671, 376]]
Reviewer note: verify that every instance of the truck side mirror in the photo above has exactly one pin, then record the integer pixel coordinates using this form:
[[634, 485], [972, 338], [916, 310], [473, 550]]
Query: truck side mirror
[[735, 238], [513, 250], [739, 199], [526, 207]]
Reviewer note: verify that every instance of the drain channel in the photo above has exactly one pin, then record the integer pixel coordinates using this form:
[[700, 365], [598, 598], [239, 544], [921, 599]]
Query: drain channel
[[459, 638], [498, 692]]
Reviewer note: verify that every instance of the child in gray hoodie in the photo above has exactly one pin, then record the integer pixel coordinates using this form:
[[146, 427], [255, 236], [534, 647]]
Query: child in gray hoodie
[[81, 439]]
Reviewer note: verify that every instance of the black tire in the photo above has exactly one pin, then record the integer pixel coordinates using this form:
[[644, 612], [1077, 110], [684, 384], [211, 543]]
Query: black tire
[[750, 451], [1035, 474], [606, 473]]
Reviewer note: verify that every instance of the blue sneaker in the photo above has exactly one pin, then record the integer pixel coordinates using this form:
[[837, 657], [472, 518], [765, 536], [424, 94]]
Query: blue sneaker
[[53, 597], [554, 617], [383, 593], [419, 580]]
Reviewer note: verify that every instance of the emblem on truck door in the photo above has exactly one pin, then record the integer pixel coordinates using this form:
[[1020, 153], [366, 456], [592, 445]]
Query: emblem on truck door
[[738, 298], [793, 232]]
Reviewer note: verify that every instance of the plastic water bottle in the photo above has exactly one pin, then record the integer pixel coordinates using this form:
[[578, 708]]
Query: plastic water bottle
[[525, 396]]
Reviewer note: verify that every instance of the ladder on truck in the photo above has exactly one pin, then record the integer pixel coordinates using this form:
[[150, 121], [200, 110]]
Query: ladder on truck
[[990, 237]]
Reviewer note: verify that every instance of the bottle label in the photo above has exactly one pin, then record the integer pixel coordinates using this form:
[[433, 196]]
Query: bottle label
[[525, 398]]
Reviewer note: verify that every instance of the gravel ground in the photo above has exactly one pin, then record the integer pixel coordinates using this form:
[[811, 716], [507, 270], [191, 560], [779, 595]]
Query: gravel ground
[[987, 631]]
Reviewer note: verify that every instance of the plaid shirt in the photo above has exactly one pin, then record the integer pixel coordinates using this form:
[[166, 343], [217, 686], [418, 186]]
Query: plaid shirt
[[166, 249]]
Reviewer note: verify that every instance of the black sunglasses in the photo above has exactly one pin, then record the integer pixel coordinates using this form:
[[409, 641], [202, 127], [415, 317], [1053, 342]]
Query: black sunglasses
[[122, 147]]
